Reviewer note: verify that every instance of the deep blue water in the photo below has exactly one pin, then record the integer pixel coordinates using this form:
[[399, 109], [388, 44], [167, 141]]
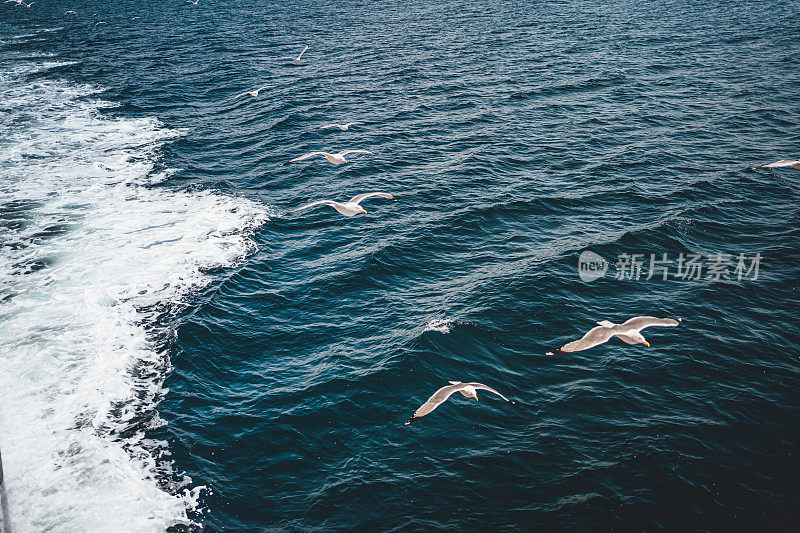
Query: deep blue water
[[269, 391]]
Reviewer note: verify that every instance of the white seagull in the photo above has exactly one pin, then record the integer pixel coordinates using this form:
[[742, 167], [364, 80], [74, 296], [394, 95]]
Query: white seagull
[[783, 163], [628, 332], [101, 22], [193, 3], [336, 159], [343, 127], [253, 93], [350, 208], [70, 12], [470, 390]]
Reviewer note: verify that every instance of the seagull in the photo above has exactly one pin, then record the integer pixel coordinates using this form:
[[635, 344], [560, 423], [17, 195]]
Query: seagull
[[193, 3], [253, 93], [783, 163], [336, 159], [628, 332], [70, 12], [350, 208], [135, 18], [470, 390], [21, 3], [101, 22], [343, 127]]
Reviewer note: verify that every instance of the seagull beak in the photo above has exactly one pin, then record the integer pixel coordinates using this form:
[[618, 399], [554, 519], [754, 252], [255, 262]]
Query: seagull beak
[[363, 210], [476, 397], [646, 344]]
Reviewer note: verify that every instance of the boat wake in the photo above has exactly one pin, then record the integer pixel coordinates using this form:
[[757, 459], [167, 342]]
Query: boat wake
[[93, 257]]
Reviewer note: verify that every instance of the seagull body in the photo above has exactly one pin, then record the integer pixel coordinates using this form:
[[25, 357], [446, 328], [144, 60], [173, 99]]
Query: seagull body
[[336, 159], [70, 12], [468, 390], [350, 208], [253, 93], [628, 332], [783, 163], [343, 127]]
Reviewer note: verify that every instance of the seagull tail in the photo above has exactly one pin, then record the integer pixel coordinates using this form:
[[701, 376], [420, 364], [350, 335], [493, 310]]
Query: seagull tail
[[555, 352], [412, 419]]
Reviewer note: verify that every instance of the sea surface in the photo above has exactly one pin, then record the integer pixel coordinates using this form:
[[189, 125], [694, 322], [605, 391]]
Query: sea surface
[[179, 352]]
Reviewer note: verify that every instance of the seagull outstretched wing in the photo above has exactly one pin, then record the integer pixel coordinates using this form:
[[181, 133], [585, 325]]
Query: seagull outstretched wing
[[357, 199]]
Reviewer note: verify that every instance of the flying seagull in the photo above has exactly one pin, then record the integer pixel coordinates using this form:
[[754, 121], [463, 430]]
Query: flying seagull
[[628, 332], [783, 163], [343, 127], [70, 12], [336, 159], [350, 208], [253, 93], [101, 22], [193, 3], [470, 390]]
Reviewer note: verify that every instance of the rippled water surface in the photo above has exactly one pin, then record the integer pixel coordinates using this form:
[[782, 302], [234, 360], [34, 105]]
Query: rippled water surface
[[178, 351]]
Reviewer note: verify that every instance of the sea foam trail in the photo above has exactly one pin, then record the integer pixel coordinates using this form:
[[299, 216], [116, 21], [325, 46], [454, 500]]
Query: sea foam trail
[[90, 253]]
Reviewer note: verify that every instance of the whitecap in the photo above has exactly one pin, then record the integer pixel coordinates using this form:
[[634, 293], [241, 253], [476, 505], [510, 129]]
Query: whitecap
[[440, 325]]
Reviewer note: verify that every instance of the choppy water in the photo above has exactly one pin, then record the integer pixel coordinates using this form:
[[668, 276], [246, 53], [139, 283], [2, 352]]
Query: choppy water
[[179, 352]]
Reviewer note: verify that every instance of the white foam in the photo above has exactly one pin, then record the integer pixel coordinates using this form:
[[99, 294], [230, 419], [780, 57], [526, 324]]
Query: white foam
[[93, 249], [441, 325]]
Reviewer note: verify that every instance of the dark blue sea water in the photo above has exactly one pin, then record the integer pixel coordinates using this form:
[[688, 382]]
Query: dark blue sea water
[[181, 353]]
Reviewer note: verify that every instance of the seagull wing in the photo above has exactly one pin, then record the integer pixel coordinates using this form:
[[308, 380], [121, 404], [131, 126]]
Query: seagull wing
[[331, 203], [306, 156], [781, 164], [303, 52], [640, 322], [357, 199], [593, 337], [352, 124], [481, 386], [343, 153], [438, 398]]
